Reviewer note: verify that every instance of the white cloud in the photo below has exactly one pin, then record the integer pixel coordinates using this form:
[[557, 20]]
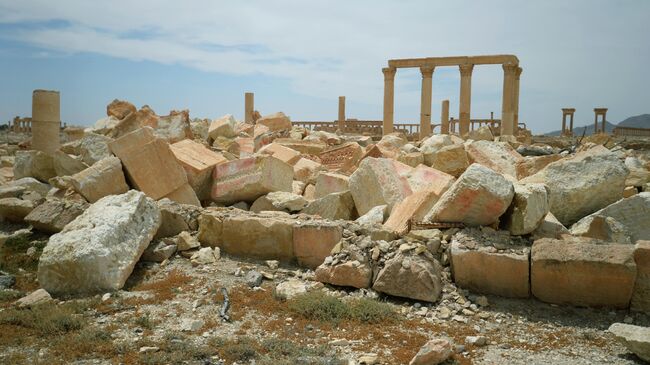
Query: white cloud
[[582, 53]]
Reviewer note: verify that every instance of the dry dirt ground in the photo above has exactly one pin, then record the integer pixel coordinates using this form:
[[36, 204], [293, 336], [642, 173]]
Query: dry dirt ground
[[170, 314]]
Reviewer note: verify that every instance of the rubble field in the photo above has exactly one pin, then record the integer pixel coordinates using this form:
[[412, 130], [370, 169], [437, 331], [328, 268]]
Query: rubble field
[[152, 239]]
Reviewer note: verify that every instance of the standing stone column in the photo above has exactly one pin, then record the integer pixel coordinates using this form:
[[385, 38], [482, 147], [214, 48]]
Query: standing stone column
[[515, 126], [571, 125], [595, 122], [425, 102], [564, 131], [507, 105], [389, 98], [249, 106], [465, 97], [604, 121], [341, 120], [444, 117], [46, 120]]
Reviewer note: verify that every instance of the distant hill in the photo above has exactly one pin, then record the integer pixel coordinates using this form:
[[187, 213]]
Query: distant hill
[[639, 121]]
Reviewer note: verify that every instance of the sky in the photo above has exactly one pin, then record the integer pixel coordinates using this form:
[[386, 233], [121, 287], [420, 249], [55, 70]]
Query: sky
[[299, 56]]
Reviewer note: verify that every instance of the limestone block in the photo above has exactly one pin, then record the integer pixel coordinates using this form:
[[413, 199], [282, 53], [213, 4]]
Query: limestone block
[[150, 163], [581, 185], [639, 172], [641, 295], [211, 227], [184, 195], [298, 187], [224, 127], [53, 215], [304, 147], [306, 170], [482, 270], [31, 185], [101, 179], [411, 209], [434, 352], [158, 252], [245, 146], [275, 122], [528, 209], [330, 182], [582, 273], [479, 197], [434, 143], [282, 153], [174, 127], [98, 250], [15, 209], [249, 178], [279, 201], [426, 178], [374, 216], [482, 134], [310, 192], [450, 159], [313, 242], [629, 191], [36, 164], [498, 156], [198, 163], [624, 221], [343, 158], [550, 228], [530, 165], [176, 218], [414, 277], [120, 109], [332, 206], [377, 182], [635, 338], [263, 236], [66, 165], [351, 273], [411, 159]]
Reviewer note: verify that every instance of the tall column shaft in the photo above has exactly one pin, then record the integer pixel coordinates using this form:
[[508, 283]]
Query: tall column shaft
[[507, 106], [465, 97], [564, 131], [425, 101], [444, 117], [389, 99], [571, 125], [595, 122], [341, 119], [603, 123], [249, 107], [515, 126], [46, 120]]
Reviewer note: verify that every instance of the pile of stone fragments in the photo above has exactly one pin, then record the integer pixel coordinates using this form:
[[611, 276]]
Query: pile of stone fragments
[[563, 224]]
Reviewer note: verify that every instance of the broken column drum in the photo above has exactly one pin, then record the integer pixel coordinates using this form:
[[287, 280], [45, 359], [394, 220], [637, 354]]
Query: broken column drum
[[46, 120]]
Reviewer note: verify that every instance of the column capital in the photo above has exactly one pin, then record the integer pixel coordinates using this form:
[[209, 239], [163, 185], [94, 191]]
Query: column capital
[[510, 69], [427, 71], [466, 70], [518, 72], [389, 73]]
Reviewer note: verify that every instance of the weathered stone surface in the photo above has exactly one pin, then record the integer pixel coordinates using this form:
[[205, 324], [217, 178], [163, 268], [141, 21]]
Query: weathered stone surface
[[55, 214], [298, 187], [184, 195], [332, 206], [531, 165], [279, 201], [211, 227], [412, 209], [174, 127], [351, 273], [313, 242], [343, 158], [15, 209], [377, 182], [275, 122], [66, 165], [120, 109], [550, 228], [641, 295], [249, 178], [282, 153], [426, 178], [450, 159], [206, 256], [185, 241], [101, 179], [36, 164], [304, 147], [483, 270], [37, 297], [432, 144], [635, 338], [625, 221], [30, 184], [498, 156], [374, 216], [411, 159], [329, 182], [483, 133], [224, 127], [92, 148], [306, 170], [150, 163], [639, 172], [98, 250], [528, 208], [433, 352], [479, 197], [582, 273], [263, 236], [413, 277], [581, 185], [290, 289], [198, 163]]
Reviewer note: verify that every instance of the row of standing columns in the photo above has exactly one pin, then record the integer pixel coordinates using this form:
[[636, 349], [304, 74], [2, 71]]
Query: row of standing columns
[[569, 112], [510, 101]]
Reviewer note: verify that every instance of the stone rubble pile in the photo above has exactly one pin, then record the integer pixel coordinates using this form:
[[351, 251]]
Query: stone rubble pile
[[405, 218]]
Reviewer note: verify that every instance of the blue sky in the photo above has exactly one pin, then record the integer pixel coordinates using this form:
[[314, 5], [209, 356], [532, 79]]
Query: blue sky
[[299, 56]]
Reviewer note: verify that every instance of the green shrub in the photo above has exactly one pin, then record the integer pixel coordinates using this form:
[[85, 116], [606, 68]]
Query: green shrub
[[326, 308]]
